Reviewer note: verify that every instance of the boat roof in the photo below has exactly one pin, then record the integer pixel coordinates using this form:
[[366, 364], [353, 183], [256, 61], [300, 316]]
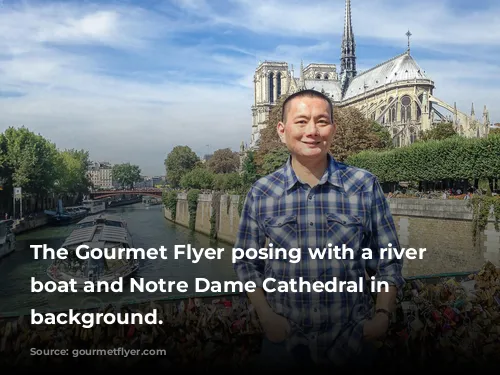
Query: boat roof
[[99, 235], [102, 217]]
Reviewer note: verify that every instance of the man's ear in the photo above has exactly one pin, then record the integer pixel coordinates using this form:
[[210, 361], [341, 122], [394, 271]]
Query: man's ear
[[280, 129]]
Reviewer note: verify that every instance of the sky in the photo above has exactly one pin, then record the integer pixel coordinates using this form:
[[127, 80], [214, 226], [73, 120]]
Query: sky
[[129, 80]]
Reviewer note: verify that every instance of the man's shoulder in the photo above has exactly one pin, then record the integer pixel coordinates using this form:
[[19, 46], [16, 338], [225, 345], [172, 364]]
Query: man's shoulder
[[355, 178], [271, 184]]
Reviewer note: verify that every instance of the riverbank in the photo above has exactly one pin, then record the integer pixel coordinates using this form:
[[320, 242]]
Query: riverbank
[[25, 225]]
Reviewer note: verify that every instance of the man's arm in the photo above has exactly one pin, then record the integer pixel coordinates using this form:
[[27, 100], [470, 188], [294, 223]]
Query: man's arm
[[250, 235], [383, 233]]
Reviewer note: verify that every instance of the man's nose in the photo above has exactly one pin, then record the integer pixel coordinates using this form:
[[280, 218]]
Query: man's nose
[[311, 128]]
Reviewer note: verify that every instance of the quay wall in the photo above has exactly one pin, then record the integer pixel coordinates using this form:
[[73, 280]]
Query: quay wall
[[442, 227], [24, 225]]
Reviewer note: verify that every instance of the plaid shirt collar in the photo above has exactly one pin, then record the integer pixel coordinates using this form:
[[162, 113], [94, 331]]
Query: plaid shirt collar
[[332, 174]]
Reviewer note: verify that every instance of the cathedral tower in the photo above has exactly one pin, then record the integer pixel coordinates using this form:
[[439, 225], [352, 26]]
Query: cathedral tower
[[348, 50]]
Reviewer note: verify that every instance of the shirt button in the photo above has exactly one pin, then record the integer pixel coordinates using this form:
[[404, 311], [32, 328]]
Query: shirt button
[[315, 310], [311, 223], [310, 197]]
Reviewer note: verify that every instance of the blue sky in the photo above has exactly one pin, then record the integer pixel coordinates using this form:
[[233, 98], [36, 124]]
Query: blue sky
[[128, 80]]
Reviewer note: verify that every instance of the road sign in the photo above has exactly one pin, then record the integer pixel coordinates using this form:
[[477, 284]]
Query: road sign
[[17, 193]]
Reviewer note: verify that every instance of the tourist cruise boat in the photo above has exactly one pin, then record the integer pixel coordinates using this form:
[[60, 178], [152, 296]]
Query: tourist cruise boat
[[7, 238], [97, 231], [94, 206]]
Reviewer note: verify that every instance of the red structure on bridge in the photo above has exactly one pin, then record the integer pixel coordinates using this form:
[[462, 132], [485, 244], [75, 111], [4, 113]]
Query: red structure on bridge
[[151, 192]]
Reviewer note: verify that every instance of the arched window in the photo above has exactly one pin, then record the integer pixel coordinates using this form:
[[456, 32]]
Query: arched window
[[396, 137], [413, 135], [392, 111], [405, 108], [419, 109], [318, 76], [271, 87], [382, 120], [326, 76]]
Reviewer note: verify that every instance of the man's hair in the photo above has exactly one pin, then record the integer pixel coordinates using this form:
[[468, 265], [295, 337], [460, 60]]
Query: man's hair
[[301, 94]]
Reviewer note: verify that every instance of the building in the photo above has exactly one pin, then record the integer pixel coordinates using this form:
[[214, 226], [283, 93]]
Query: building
[[101, 175], [397, 93]]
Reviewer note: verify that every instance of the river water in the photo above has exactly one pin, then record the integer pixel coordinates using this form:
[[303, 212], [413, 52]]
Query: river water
[[148, 228]]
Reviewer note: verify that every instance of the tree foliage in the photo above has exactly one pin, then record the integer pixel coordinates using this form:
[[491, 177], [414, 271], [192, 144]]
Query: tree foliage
[[30, 161], [355, 133], [126, 174], [494, 131], [440, 131], [72, 174], [179, 162], [224, 161], [451, 158], [227, 182], [198, 178], [249, 169]]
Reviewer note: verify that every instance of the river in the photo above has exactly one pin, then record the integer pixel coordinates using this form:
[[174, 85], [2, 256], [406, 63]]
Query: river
[[148, 228]]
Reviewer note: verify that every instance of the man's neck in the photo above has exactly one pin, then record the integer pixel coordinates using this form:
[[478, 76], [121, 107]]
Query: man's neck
[[309, 171]]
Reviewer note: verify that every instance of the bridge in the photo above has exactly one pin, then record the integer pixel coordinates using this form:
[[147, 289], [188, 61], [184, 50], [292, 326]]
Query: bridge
[[151, 192]]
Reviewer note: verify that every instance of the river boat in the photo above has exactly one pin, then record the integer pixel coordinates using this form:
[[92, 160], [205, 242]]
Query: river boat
[[97, 231], [94, 206], [7, 238], [67, 216], [149, 201]]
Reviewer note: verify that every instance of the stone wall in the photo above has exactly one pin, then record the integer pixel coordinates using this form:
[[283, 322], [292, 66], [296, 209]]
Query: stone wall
[[442, 227]]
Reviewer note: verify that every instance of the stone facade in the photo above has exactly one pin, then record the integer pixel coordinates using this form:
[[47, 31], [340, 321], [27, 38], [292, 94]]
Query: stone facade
[[442, 227]]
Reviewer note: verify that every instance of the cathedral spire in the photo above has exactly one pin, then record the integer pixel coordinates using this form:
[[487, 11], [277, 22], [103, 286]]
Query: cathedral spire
[[302, 80], [408, 34], [348, 49]]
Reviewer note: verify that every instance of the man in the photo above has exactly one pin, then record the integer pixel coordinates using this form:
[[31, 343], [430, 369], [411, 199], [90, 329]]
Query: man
[[315, 202]]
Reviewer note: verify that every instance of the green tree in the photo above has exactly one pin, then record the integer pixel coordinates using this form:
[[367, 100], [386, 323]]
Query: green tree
[[383, 135], [179, 161], [72, 168], [228, 181], [224, 161], [440, 131], [249, 169], [28, 161], [198, 178], [126, 174], [494, 131], [274, 160], [354, 133]]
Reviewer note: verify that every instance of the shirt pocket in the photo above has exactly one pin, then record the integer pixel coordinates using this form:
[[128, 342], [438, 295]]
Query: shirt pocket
[[281, 231], [348, 230]]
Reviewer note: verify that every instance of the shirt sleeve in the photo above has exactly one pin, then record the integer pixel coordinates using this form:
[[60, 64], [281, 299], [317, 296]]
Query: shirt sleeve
[[383, 235], [250, 235]]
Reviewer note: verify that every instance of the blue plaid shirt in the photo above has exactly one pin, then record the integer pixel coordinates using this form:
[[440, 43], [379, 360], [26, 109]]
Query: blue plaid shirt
[[346, 207]]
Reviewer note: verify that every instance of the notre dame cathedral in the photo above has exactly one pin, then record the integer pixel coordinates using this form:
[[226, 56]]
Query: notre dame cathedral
[[396, 93]]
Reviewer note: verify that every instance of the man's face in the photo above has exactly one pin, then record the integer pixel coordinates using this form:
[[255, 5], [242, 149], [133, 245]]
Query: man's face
[[308, 129]]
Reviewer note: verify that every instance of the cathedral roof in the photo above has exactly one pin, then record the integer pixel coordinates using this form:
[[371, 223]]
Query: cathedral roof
[[330, 87], [400, 68]]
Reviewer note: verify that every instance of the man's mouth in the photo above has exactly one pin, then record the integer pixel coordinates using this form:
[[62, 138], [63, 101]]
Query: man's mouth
[[311, 143]]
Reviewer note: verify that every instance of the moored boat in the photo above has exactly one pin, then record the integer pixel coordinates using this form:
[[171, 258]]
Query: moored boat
[[97, 231], [66, 215], [94, 206]]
